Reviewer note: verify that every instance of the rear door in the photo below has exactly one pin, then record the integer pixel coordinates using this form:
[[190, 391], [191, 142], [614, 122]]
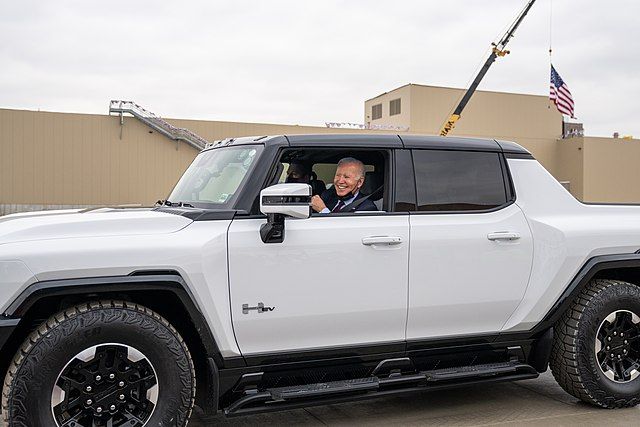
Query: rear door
[[471, 247]]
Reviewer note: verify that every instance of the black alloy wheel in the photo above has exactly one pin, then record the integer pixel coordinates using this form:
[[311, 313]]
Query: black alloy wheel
[[618, 346], [105, 385]]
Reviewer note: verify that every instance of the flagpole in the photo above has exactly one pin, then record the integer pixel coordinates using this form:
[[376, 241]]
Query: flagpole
[[550, 28], [550, 39]]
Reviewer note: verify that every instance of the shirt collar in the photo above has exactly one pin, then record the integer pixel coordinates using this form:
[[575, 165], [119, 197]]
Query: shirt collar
[[349, 201]]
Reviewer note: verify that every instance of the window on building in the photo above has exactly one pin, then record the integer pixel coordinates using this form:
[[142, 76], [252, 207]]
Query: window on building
[[458, 180], [394, 107], [376, 112]]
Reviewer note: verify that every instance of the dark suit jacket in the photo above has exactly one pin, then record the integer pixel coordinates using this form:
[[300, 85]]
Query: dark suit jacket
[[330, 198]]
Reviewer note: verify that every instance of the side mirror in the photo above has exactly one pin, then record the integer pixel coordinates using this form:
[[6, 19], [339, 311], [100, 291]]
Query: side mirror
[[286, 199], [279, 201]]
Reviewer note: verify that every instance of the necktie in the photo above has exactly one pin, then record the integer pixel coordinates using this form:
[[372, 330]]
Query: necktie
[[338, 206]]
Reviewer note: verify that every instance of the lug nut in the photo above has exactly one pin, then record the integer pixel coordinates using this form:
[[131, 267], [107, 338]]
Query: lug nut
[[121, 384], [615, 333], [626, 342], [624, 351], [112, 407], [88, 388], [619, 356], [98, 377], [621, 334], [89, 401], [613, 355], [112, 376], [608, 347], [608, 338], [121, 397], [99, 409]]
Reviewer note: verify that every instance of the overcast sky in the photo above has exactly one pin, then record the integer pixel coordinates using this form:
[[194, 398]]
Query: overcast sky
[[310, 62]]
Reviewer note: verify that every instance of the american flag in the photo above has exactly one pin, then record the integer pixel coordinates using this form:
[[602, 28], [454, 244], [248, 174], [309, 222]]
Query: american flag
[[560, 94]]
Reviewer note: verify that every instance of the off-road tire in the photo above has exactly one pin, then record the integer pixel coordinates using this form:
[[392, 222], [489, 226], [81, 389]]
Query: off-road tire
[[573, 361], [28, 385]]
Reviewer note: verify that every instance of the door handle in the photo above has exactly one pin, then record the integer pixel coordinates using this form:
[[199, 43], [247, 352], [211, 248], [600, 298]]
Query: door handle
[[381, 240], [503, 235]]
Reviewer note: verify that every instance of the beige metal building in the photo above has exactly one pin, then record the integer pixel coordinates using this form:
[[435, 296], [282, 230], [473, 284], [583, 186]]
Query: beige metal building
[[526, 119], [595, 169], [60, 160]]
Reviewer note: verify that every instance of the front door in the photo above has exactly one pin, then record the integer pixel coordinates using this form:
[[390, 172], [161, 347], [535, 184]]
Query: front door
[[332, 282]]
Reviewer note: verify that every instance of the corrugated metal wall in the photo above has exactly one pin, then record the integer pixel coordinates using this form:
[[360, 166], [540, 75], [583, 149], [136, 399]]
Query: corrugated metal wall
[[79, 159], [60, 160]]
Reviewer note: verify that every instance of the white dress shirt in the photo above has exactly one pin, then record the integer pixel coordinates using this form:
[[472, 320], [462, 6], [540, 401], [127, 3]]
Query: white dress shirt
[[346, 203]]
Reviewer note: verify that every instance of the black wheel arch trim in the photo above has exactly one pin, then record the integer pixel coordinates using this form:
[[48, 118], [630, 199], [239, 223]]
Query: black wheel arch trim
[[588, 272], [136, 281], [7, 326], [535, 342]]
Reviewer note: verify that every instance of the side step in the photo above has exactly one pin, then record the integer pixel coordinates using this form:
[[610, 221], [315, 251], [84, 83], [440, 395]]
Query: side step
[[336, 391], [463, 372], [324, 389]]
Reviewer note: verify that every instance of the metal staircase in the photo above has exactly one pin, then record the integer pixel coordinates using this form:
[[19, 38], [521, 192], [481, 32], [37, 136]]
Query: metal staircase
[[156, 123]]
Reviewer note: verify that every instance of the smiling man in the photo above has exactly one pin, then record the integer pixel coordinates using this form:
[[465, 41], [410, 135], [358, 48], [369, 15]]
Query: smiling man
[[345, 194]]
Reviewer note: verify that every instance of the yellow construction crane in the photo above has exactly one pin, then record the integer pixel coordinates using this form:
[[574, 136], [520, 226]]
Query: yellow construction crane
[[497, 50]]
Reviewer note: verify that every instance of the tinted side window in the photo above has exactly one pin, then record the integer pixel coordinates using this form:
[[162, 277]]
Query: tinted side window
[[458, 180]]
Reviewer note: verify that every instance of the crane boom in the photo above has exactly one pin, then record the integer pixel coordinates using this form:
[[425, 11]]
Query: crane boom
[[497, 50]]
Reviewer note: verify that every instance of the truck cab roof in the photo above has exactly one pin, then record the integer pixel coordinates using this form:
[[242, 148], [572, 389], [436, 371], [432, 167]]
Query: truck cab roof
[[377, 141]]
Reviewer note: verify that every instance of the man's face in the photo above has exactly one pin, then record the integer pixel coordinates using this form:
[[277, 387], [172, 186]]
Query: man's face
[[295, 174], [347, 179]]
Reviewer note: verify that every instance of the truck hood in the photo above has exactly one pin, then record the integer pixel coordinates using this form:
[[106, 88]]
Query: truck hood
[[65, 224]]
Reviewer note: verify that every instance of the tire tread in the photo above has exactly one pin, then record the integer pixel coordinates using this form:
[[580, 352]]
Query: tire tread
[[568, 363], [57, 320]]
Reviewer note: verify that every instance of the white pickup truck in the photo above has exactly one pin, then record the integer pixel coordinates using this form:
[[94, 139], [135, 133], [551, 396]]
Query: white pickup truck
[[477, 266]]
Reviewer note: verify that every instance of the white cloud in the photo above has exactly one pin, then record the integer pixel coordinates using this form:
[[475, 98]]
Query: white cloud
[[309, 62]]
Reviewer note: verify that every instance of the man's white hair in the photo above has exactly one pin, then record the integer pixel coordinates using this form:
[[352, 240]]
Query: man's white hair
[[353, 161]]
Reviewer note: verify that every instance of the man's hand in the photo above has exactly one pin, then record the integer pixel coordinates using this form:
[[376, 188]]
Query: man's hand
[[317, 204]]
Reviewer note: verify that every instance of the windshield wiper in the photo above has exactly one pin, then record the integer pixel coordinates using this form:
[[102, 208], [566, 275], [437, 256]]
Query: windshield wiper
[[174, 204]]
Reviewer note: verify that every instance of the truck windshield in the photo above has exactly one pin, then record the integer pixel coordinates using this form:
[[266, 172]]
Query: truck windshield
[[216, 176]]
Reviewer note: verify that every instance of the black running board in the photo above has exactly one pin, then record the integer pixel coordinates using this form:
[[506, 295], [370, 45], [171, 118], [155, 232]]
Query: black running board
[[463, 372], [324, 389], [283, 398]]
